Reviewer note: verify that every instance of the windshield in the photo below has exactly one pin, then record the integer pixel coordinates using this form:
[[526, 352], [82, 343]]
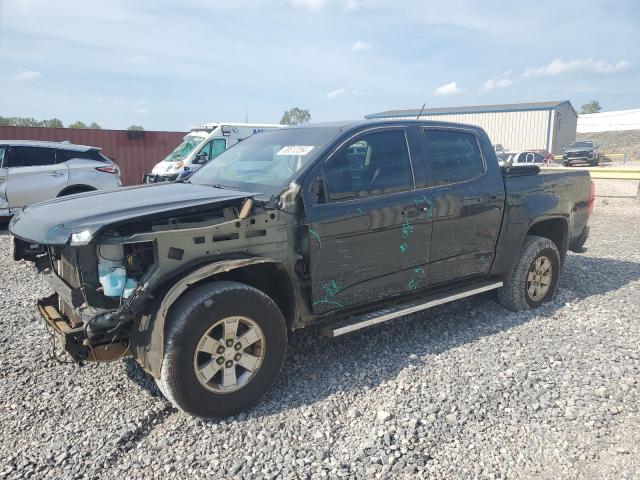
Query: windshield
[[581, 145], [266, 162], [185, 148]]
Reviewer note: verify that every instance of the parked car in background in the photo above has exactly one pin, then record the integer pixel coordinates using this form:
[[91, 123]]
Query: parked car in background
[[201, 145], [581, 152], [340, 225], [33, 171], [527, 157], [546, 155]]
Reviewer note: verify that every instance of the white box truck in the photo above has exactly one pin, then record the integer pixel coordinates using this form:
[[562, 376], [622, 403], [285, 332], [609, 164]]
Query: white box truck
[[200, 145]]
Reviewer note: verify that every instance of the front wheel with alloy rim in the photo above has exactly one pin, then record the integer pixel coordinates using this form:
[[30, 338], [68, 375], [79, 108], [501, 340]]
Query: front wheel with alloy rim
[[535, 278], [225, 344]]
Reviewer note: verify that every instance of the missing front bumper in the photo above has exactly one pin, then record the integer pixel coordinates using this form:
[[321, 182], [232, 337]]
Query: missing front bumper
[[73, 339]]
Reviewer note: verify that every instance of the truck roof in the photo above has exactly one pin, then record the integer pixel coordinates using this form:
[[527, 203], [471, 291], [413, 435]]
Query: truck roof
[[347, 125]]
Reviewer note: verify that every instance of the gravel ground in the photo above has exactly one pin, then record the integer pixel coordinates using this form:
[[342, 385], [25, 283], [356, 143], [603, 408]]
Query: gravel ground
[[466, 390]]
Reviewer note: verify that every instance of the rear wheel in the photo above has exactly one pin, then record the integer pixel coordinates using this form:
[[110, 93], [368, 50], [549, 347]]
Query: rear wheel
[[535, 278], [224, 347], [76, 189]]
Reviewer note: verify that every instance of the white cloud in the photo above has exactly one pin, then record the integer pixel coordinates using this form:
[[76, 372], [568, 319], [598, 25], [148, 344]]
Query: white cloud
[[495, 83], [27, 76], [142, 111], [352, 5], [335, 93], [360, 46], [317, 5], [313, 5], [560, 67], [448, 89]]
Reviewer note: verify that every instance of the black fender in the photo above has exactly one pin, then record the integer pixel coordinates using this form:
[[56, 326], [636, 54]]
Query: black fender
[[147, 336]]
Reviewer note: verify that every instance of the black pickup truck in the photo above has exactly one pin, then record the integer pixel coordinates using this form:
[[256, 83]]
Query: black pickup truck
[[339, 225]]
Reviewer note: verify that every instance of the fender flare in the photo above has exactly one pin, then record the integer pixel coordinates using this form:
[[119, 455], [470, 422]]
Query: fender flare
[[148, 335]]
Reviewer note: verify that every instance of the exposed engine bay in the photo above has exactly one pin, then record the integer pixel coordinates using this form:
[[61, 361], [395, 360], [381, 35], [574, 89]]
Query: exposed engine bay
[[104, 287]]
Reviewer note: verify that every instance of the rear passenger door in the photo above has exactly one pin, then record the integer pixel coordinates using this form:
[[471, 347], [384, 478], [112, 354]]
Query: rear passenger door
[[467, 204], [367, 233], [33, 175]]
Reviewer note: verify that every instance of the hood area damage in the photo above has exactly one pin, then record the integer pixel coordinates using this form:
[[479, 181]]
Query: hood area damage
[[105, 267]]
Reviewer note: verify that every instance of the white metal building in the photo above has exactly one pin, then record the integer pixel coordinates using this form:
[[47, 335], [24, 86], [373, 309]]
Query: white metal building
[[517, 126], [609, 121]]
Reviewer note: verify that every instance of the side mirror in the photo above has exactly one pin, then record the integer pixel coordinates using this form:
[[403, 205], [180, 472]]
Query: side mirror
[[202, 157]]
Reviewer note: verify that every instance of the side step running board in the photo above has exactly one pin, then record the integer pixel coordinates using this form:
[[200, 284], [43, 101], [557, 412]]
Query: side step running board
[[379, 316]]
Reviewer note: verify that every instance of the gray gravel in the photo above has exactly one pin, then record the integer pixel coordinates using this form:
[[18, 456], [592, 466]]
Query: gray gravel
[[467, 390]]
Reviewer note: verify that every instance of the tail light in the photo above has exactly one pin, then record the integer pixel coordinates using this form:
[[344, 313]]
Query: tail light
[[109, 169], [592, 197]]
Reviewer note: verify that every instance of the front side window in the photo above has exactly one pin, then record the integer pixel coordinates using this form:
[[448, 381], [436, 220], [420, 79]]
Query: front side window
[[373, 164], [218, 145], [213, 148], [30, 157], [454, 156], [189, 143]]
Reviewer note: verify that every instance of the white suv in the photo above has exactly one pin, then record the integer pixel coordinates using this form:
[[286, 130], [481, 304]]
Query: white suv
[[33, 171]]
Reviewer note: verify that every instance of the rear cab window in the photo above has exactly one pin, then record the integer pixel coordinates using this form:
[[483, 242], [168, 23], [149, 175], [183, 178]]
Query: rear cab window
[[30, 157], [454, 156]]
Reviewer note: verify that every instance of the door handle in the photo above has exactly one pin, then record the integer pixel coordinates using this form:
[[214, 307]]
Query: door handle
[[56, 174]]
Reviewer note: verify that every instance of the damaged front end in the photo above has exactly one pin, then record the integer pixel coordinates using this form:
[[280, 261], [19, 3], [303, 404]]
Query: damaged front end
[[91, 311], [105, 268]]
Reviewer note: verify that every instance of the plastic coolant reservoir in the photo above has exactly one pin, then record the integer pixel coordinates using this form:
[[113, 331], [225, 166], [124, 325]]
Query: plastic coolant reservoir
[[113, 280], [111, 272]]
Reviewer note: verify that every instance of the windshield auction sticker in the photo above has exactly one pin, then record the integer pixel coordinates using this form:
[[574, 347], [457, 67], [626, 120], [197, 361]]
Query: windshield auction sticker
[[295, 150]]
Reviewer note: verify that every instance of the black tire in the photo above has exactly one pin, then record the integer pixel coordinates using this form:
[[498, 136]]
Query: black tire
[[514, 294], [190, 318], [567, 164], [74, 190]]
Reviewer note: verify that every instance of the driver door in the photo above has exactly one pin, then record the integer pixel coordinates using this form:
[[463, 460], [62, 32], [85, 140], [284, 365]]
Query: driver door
[[368, 231]]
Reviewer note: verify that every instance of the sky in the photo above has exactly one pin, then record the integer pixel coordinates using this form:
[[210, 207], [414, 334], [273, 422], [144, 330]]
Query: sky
[[171, 65]]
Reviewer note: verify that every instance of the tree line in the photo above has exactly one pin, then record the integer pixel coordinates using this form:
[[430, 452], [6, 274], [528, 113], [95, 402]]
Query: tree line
[[52, 123]]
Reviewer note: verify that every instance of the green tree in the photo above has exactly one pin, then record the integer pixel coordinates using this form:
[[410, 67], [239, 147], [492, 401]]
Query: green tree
[[24, 122], [295, 116], [51, 123], [592, 107], [78, 124], [95, 126], [135, 127]]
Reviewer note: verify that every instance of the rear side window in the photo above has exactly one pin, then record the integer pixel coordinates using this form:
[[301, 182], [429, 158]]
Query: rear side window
[[64, 155], [30, 157], [2, 149], [454, 156]]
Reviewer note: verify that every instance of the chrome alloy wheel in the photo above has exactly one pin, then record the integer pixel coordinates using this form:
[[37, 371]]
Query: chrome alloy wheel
[[229, 354], [539, 278]]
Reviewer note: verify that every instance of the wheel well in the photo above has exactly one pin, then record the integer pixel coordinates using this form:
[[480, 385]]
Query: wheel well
[[269, 278], [555, 229], [75, 189]]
